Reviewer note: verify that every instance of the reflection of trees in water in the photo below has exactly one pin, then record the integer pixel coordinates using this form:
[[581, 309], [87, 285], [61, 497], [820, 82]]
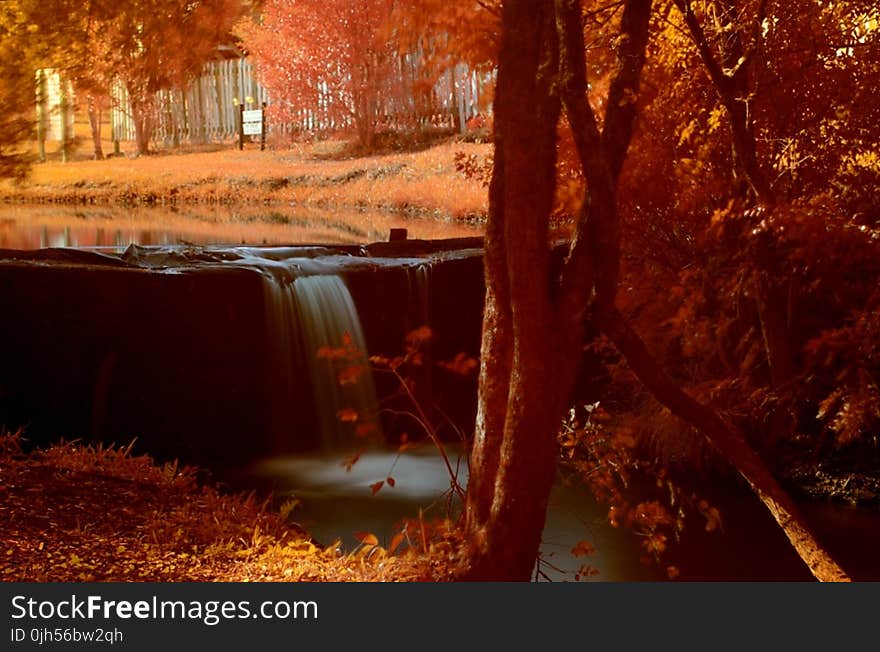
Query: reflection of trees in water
[[35, 226]]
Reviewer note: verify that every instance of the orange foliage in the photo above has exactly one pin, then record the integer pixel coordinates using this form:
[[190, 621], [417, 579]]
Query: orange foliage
[[602, 452]]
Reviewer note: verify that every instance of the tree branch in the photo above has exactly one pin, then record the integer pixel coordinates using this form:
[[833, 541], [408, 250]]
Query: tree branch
[[577, 274], [722, 82], [620, 113], [728, 441], [594, 256]]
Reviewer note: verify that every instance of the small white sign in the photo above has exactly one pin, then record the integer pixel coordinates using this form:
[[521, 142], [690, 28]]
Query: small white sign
[[252, 122], [252, 128]]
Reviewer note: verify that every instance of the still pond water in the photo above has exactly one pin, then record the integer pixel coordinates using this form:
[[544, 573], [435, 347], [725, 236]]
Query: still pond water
[[40, 226]]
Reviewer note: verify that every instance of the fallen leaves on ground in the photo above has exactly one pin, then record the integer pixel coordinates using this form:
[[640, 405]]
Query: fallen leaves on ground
[[83, 513]]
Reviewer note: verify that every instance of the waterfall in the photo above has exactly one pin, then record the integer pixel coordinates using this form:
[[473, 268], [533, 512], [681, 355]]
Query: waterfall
[[286, 357], [327, 316], [418, 279], [313, 320]]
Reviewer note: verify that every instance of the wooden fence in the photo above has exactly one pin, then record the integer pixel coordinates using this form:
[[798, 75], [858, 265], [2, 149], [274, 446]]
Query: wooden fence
[[207, 111]]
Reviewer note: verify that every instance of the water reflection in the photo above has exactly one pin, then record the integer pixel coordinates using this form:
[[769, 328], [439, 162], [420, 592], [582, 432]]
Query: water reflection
[[337, 502], [41, 226]]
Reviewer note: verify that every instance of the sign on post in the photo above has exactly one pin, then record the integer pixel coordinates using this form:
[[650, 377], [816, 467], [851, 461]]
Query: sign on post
[[252, 123]]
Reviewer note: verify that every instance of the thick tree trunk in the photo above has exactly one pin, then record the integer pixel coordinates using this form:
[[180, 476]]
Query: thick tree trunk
[[143, 130], [524, 378], [533, 323], [142, 116]]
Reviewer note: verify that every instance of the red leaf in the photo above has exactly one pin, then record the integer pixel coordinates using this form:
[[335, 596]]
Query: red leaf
[[460, 364], [365, 429], [404, 443], [396, 540], [583, 549], [351, 461], [376, 486], [366, 538], [326, 353], [390, 481]]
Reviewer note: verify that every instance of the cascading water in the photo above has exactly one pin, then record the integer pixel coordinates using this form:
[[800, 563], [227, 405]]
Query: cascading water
[[313, 324], [282, 321], [418, 277], [336, 355]]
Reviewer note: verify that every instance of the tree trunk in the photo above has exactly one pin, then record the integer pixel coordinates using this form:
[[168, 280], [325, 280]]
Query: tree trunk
[[534, 322], [734, 90], [524, 376], [142, 116], [94, 108]]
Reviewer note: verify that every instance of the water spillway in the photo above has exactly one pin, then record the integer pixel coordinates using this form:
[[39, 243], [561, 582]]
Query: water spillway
[[327, 329], [212, 353]]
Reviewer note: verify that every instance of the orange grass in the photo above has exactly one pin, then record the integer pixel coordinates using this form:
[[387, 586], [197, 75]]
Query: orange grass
[[78, 513], [423, 182]]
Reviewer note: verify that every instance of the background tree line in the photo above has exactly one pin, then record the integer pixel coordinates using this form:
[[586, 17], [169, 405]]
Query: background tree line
[[348, 60]]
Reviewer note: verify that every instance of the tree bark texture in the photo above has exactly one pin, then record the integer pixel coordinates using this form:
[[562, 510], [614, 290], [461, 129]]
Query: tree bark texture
[[513, 461], [94, 108], [533, 325], [533, 322]]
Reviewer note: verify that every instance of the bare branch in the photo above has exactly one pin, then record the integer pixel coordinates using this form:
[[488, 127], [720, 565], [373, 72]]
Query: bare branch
[[721, 81]]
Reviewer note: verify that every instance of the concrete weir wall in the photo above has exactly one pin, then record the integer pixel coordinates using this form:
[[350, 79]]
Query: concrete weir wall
[[170, 346]]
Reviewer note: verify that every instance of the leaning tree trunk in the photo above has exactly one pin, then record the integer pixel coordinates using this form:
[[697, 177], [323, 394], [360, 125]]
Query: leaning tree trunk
[[729, 442]]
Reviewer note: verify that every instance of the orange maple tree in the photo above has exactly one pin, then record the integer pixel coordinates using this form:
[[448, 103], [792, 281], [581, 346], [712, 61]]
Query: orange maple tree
[[325, 63]]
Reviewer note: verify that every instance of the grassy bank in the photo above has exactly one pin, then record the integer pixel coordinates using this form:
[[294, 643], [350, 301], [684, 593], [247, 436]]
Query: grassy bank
[[322, 175], [77, 513]]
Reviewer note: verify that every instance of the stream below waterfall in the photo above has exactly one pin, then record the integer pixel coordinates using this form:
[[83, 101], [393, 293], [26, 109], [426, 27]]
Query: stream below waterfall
[[337, 503]]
